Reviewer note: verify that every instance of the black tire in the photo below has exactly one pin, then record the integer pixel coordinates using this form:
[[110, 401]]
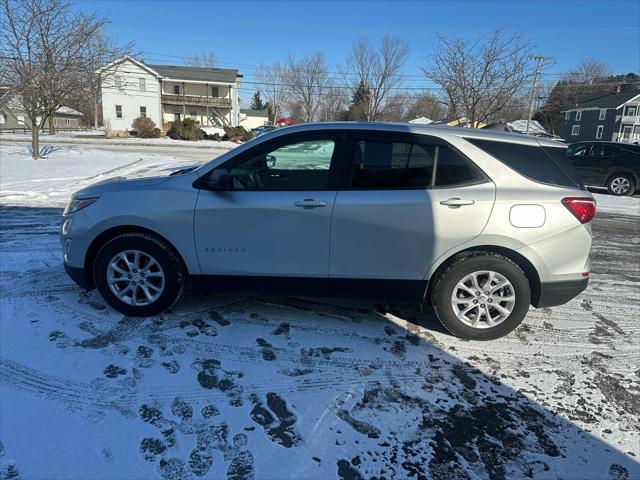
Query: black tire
[[614, 189], [445, 283], [164, 256]]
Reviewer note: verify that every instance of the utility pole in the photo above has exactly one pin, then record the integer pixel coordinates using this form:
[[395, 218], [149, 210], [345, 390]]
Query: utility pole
[[539, 59]]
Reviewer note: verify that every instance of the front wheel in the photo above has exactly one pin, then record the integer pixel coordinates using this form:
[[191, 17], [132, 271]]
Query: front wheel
[[138, 275], [481, 297], [621, 185]]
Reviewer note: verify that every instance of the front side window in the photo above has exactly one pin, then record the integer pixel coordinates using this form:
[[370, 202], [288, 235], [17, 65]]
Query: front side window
[[143, 111], [392, 165], [578, 150], [575, 130], [599, 131], [578, 115], [299, 166], [142, 84], [602, 114], [604, 151], [118, 111]]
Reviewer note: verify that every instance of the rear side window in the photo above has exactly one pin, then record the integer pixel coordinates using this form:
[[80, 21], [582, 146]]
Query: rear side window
[[546, 165], [452, 169], [392, 165]]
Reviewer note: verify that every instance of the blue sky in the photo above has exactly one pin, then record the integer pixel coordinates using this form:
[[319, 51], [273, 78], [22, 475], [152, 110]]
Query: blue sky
[[245, 34]]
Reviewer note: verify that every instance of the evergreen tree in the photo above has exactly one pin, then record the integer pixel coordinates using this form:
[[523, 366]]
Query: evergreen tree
[[360, 102], [256, 101]]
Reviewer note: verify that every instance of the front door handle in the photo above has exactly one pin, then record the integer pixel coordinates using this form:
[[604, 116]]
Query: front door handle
[[456, 202], [310, 203]]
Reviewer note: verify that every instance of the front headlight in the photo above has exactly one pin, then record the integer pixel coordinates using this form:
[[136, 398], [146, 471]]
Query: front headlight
[[76, 204]]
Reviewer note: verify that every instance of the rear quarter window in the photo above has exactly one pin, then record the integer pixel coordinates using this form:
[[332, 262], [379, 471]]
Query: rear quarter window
[[541, 164]]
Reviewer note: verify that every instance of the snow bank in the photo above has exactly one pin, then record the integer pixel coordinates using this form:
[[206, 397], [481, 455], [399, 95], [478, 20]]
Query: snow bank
[[49, 182], [72, 137], [619, 205]]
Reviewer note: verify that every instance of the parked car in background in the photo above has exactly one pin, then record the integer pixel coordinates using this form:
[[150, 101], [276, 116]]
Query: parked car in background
[[263, 129], [615, 166], [477, 224]]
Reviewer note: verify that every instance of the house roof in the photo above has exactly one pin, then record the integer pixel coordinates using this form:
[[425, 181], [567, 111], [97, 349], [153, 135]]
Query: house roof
[[201, 74], [255, 113], [607, 100]]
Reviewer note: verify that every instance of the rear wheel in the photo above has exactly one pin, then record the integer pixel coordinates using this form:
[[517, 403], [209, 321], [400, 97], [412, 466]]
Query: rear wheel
[[621, 184], [481, 297], [138, 275]]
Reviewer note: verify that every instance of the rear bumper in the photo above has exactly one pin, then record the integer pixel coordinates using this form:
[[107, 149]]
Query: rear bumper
[[552, 294], [78, 275]]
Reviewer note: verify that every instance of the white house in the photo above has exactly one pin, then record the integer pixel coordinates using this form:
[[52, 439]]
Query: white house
[[164, 93], [250, 118]]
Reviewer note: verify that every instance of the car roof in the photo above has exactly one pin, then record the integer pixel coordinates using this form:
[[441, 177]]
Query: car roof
[[424, 129]]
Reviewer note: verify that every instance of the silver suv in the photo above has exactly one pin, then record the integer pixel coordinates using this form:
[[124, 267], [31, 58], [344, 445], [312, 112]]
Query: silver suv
[[477, 224]]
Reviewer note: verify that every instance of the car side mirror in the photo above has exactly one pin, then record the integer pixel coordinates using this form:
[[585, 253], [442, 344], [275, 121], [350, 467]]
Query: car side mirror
[[270, 160], [220, 179]]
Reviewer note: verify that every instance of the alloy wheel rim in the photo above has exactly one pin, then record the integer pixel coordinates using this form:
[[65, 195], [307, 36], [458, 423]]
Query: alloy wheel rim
[[135, 277], [620, 185], [483, 299]]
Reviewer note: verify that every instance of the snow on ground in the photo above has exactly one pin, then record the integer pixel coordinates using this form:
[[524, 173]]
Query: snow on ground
[[75, 137], [49, 182], [244, 386], [620, 205]]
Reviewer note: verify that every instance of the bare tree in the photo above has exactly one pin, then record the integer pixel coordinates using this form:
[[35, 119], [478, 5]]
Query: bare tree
[[426, 105], [307, 81], [334, 103], [481, 78], [272, 80], [207, 60], [377, 71], [45, 51]]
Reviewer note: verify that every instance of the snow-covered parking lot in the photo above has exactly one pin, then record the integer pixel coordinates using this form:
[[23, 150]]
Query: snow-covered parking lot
[[240, 387]]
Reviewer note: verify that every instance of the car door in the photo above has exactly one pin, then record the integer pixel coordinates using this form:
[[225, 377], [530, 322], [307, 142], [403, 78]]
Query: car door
[[274, 217], [390, 221]]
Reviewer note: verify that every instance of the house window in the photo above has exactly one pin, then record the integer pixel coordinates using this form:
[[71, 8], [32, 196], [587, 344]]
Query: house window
[[118, 81], [603, 113], [3, 119], [215, 92], [20, 119], [578, 115], [176, 89], [176, 116], [575, 130], [142, 84], [599, 131], [67, 122], [631, 111], [118, 111], [193, 114], [143, 111], [567, 115]]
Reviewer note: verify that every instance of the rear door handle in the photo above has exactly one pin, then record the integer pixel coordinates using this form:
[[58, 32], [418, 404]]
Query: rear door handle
[[456, 202], [310, 203]]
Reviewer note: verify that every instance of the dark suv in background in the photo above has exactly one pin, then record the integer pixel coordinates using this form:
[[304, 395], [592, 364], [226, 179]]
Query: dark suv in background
[[612, 165]]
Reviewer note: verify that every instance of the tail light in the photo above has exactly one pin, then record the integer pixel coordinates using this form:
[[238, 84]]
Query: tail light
[[583, 208]]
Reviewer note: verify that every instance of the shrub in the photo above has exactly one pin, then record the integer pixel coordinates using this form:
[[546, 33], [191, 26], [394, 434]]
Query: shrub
[[187, 129], [238, 134], [145, 127]]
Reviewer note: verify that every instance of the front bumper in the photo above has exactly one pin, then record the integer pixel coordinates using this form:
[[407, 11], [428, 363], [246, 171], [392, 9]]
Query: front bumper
[[78, 275], [552, 294]]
